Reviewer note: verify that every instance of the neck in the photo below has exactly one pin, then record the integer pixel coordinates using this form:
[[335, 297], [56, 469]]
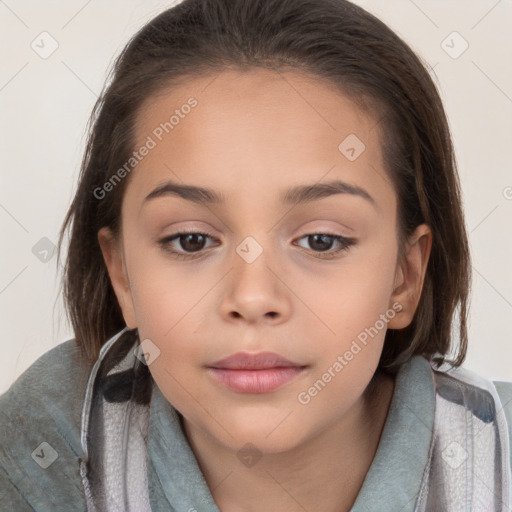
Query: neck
[[325, 473]]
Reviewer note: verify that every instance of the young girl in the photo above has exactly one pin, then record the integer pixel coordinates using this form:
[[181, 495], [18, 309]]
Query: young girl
[[267, 251]]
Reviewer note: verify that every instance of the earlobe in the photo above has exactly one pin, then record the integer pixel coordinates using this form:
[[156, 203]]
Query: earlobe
[[113, 257], [410, 276]]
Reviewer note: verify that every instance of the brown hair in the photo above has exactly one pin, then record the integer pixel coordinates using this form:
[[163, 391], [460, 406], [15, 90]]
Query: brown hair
[[335, 40]]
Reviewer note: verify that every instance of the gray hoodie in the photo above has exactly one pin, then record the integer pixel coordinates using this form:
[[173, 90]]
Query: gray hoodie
[[43, 448]]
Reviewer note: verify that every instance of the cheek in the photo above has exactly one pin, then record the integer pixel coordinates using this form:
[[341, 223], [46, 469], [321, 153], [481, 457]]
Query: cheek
[[170, 310], [170, 314], [355, 295], [357, 310], [165, 294]]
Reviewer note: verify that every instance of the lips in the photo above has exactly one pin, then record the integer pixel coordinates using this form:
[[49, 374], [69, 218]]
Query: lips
[[247, 361], [255, 373]]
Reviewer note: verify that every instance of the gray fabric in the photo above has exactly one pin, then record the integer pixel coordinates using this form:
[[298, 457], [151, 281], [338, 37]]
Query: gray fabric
[[45, 405], [115, 428], [183, 483], [469, 467], [394, 478]]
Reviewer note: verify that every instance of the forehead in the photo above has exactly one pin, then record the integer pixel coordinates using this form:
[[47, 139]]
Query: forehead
[[255, 128]]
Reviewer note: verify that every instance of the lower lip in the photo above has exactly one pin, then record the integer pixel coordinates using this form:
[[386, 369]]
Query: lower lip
[[256, 381]]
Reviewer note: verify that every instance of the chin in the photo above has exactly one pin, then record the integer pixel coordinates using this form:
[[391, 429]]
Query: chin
[[266, 434], [251, 440]]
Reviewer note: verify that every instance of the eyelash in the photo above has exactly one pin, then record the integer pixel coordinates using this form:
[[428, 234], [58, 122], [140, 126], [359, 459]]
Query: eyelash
[[164, 243]]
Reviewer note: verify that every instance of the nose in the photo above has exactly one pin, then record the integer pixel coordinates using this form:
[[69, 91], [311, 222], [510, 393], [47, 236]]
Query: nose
[[255, 289]]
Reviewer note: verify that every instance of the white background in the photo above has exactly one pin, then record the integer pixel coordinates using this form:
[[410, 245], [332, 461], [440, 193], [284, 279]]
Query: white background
[[45, 104]]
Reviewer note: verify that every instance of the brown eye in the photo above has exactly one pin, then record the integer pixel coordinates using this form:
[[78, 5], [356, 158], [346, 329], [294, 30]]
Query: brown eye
[[192, 242], [320, 242], [323, 243], [185, 244]]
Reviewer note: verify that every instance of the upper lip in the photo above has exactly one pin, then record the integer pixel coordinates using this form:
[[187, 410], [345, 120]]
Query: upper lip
[[248, 361]]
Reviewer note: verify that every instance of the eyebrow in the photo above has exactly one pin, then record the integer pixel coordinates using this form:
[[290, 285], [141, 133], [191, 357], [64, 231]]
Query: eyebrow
[[293, 196]]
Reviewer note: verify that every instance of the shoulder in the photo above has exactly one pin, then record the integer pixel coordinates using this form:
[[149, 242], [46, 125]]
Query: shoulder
[[50, 387], [484, 397], [40, 418], [505, 393], [504, 390]]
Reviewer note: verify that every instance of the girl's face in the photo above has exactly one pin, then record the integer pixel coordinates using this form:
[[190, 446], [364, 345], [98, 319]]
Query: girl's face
[[254, 278]]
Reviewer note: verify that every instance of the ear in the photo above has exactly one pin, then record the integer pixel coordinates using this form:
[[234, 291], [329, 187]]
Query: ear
[[113, 255], [410, 275]]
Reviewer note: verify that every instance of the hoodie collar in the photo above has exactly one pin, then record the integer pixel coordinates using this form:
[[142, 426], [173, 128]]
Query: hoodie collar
[[394, 477], [173, 472], [170, 477]]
